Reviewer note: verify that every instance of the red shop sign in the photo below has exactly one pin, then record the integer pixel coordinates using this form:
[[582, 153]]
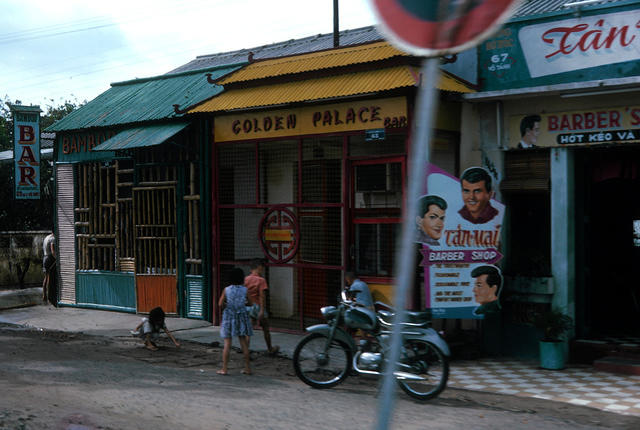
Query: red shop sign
[[279, 234]]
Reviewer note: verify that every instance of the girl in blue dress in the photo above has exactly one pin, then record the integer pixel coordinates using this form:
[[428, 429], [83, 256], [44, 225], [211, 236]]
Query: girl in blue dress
[[235, 319]]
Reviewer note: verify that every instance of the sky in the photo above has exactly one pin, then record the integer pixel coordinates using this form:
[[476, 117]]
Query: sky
[[54, 51]]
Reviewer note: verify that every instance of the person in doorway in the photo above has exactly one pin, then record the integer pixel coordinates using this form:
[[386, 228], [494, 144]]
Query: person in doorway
[[486, 289], [430, 219], [257, 292], [358, 290], [477, 195], [235, 320], [529, 131], [48, 267], [149, 329]]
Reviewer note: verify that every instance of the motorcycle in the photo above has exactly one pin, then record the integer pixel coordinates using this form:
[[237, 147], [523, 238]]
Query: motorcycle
[[328, 354]]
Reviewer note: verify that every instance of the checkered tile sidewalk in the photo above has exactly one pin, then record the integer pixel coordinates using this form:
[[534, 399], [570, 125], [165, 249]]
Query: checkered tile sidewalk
[[578, 385]]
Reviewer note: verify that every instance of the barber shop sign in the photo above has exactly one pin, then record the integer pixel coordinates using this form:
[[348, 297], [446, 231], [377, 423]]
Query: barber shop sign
[[580, 43], [458, 227], [26, 151]]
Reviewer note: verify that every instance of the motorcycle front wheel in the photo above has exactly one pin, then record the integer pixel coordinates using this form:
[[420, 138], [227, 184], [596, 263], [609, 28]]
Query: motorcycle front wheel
[[317, 367], [423, 369]]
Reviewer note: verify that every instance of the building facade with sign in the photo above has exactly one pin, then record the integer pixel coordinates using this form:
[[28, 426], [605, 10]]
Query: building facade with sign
[[304, 167], [132, 197], [310, 155], [561, 130]]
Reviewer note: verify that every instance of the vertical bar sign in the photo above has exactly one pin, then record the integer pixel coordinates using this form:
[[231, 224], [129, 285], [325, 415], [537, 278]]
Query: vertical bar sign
[[26, 151]]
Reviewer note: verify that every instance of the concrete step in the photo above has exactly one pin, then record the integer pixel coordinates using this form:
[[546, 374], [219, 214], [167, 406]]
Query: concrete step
[[19, 298], [618, 364], [586, 351]]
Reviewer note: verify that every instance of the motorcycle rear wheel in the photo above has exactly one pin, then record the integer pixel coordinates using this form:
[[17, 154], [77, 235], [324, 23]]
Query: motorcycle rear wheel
[[317, 368], [426, 361]]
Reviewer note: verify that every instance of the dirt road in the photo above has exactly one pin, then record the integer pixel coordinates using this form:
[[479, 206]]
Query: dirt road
[[55, 380]]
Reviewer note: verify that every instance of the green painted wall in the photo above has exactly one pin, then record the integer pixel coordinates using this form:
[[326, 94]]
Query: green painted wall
[[107, 290]]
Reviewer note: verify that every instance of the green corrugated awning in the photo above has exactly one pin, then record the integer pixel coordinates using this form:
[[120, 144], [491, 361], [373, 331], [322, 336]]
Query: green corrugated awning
[[145, 100], [138, 137]]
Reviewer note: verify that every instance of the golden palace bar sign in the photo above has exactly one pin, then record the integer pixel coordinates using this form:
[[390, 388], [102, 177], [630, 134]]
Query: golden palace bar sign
[[349, 116]]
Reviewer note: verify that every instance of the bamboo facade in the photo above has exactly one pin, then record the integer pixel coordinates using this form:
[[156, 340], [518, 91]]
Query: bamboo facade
[[95, 215], [141, 214]]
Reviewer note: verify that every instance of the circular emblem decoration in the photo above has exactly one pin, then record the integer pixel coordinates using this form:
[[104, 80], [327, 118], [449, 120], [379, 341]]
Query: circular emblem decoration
[[279, 234], [438, 27]]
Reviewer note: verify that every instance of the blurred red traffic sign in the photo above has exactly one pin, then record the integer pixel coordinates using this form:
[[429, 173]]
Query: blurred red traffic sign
[[438, 27]]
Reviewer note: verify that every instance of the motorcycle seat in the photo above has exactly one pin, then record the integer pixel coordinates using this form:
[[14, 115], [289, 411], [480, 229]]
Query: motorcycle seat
[[418, 317], [411, 317]]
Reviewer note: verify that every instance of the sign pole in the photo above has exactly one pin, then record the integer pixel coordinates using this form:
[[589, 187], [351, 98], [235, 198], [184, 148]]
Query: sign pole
[[426, 29], [404, 266]]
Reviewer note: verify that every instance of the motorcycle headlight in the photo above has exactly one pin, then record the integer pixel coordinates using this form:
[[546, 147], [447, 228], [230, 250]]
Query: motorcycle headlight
[[328, 312]]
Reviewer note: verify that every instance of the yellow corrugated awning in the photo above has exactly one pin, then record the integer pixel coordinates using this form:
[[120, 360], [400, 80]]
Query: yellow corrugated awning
[[449, 82], [371, 81], [313, 61]]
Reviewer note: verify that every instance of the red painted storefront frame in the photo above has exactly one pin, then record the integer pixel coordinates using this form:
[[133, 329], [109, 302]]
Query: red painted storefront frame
[[347, 183]]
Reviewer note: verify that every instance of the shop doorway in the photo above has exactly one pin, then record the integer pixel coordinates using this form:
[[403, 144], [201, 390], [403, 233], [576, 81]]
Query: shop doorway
[[612, 299], [320, 228], [156, 248]]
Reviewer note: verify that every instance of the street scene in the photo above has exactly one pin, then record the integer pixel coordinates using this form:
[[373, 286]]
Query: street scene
[[358, 213], [94, 375]]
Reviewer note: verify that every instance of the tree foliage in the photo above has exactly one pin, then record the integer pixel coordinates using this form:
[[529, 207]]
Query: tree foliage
[[23, 215]]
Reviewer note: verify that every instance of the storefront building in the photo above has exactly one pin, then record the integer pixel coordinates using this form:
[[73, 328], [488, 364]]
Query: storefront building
[[310, 160], [564, 80], [305, 167], [132, 197]]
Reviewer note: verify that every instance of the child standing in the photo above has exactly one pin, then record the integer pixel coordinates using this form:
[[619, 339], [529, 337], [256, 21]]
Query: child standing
[[235, 319], [257, 289], [150, 328]]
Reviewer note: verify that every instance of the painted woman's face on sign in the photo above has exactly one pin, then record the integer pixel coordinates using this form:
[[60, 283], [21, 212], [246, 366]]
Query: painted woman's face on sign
[[432, 223]]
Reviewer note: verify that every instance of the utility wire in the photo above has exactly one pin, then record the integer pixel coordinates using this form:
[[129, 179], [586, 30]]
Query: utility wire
[[90, 24], [52, 30], [53, 76]]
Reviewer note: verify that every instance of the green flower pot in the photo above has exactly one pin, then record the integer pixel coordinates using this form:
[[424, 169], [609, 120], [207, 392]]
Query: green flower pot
[[552, 355]]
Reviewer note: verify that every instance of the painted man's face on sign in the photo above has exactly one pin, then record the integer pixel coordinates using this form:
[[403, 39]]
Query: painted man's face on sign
[[531, 135], [483, 292], [475, 196]]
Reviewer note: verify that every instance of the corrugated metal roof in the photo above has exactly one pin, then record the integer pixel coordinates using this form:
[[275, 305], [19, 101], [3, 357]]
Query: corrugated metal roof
[[449, 82], [313, 61], [138, 137], [144, 99], [281, 49], [344, 85], [47, 139], [6, 156], [355, 37], [530, 8]]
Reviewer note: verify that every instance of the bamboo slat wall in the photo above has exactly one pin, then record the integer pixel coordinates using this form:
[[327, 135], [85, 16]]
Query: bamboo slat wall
[[126, 213], [95, 217], [155, 220], [193, 258]]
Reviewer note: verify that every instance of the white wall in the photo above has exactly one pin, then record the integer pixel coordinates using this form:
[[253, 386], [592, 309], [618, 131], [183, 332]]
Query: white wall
[[281, 168]]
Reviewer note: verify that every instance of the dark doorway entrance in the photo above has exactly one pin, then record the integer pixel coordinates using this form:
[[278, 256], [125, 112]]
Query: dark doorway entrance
[[612, 276]]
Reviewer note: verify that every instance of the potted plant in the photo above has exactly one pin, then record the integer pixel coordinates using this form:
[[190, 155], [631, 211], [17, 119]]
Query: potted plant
[[554, 325]]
